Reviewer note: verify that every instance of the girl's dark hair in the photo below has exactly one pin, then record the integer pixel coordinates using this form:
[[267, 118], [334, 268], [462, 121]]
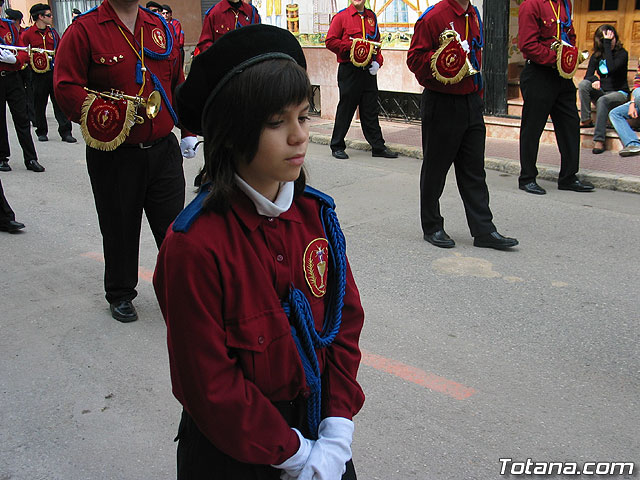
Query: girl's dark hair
[[598, 40], [237, 116]]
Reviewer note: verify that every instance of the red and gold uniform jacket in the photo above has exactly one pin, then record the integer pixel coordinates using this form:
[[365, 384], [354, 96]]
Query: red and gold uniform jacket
[[426, 40], [348, 24], [177, 32], [231, 353], [47, 39], [538, 29], [94, 53], [10, 35], [222, 18]]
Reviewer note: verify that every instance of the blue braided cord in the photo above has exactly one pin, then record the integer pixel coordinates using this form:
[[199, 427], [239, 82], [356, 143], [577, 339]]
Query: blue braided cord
[[477, 45], [426, 11], [298, 309], [167, 34], [139, 72], [159, 87], [13, 33], [375, 33]]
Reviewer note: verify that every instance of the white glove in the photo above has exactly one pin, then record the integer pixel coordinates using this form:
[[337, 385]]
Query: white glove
[[331, 451], [188, 146], [373, 69], [7, 56], [294, 464], [465, 46]]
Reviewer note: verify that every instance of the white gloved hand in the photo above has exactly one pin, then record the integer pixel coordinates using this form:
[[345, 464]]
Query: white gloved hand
[[294, 464], [373, 69], [465, 46], [7, 56], [188, 146], [331, 451]]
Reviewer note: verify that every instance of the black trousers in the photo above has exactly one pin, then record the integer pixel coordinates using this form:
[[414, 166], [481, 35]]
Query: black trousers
[[42, 91], [453, 132], [126, 182], [12, 93], [26, 74], [358, 89], [198, 459], [6, 214], [546, 93]]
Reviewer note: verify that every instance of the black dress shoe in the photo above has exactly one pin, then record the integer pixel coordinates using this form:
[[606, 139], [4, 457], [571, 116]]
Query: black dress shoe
[[34, 166], [43, 138], [576, 186], [598, 151], [494, 240], [123, 311], [533, 187], [69, 139], [4, 166], [440, 239], [386, 153], [11, 226], [341, 154]]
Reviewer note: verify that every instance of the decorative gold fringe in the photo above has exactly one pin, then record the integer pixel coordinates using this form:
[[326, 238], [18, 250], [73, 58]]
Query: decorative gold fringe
[[36, 69], [438, 76], [118, 140], [352, 56]]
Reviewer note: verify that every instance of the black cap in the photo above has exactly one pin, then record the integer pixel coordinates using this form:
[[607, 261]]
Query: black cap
[[228, 56], [38, 8], [13, 14], [75, 11], [153, 4], [167, 8]]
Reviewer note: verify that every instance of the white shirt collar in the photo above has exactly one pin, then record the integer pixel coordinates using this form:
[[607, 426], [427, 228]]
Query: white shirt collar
[[264, 206]]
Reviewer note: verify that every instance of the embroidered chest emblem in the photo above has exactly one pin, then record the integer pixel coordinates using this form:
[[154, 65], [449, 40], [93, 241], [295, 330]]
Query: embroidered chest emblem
[[158, 38], [371, 21], [50, 35], [315, 264], [8, 38]]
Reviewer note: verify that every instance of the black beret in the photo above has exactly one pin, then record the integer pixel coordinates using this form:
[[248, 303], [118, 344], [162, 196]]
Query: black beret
[[38, 8], [167, 8], [153, 4], [13, 14], [228, 56], [75, 11]]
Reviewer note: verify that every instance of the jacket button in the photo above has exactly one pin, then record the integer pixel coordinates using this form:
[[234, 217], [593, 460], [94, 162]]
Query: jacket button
[[260, 339], [306, 393], [270, 219], [280, 258]]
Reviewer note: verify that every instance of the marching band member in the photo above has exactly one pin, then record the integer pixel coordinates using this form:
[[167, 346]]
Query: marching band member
[[224, 17], [178, 33], [134, 161], [7, 217], [43, 35], [350, 37], [12, 92], [547, 90], [445, 55]]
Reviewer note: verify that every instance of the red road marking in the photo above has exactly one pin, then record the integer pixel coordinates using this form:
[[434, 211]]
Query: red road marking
[[419, 377], [406, 372]]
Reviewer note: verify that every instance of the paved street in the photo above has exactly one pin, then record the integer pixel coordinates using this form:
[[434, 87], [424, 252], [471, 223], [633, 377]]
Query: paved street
[[470, 355]]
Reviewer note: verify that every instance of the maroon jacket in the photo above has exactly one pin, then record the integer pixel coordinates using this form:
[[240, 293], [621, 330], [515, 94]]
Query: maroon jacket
[[347, 24], [538, 29], [426, 40], [231, 352], [9, 35], [47, 38], [222, 18]]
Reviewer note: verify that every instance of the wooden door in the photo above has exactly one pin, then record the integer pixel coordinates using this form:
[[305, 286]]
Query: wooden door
[[624, 15]]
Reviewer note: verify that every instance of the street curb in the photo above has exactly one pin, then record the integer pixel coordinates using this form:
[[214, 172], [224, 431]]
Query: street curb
[[609, 181]]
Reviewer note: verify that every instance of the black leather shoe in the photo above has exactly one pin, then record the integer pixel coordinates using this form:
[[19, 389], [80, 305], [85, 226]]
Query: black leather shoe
[[43, 138], [576, 186], [533, 187], [11, 226], [34, 166], [341, 154], [69, 139], [494, 240], [598, 151], [440, 239], [4, 166], [123, 311], [386, 153]]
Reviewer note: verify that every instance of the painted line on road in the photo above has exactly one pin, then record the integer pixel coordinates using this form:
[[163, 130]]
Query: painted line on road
[[419, 377], [411, 374]]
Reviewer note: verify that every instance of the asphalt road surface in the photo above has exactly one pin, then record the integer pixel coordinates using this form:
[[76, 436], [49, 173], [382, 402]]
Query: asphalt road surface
[[470, 355]]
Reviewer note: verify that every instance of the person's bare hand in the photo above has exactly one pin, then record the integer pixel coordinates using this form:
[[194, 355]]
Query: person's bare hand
[[596, 85], [608, 34], [633, 111]]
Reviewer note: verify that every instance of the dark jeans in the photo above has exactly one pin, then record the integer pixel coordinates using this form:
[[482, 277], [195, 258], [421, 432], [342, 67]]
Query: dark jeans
[[358, 89], [546, 93], [453, 132], [126, 182], [12, 93], [42, 91]]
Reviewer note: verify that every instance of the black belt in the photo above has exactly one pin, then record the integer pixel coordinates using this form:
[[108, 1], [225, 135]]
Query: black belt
[[550, 67], [144, 145], [6, 73]]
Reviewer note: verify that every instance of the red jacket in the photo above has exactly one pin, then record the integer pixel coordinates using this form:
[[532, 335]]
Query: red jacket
[[426, 40], [538, 28], [9, 35], [94, 53], [231, 352], [178, 33], [222, 18], [348, 24], [47, 38]]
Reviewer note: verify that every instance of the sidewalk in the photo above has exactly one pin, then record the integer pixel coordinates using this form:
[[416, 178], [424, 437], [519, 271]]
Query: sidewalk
[[607, 170]]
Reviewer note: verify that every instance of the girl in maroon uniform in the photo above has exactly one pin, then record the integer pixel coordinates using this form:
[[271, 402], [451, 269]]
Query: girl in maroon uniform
[[263, 315]]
